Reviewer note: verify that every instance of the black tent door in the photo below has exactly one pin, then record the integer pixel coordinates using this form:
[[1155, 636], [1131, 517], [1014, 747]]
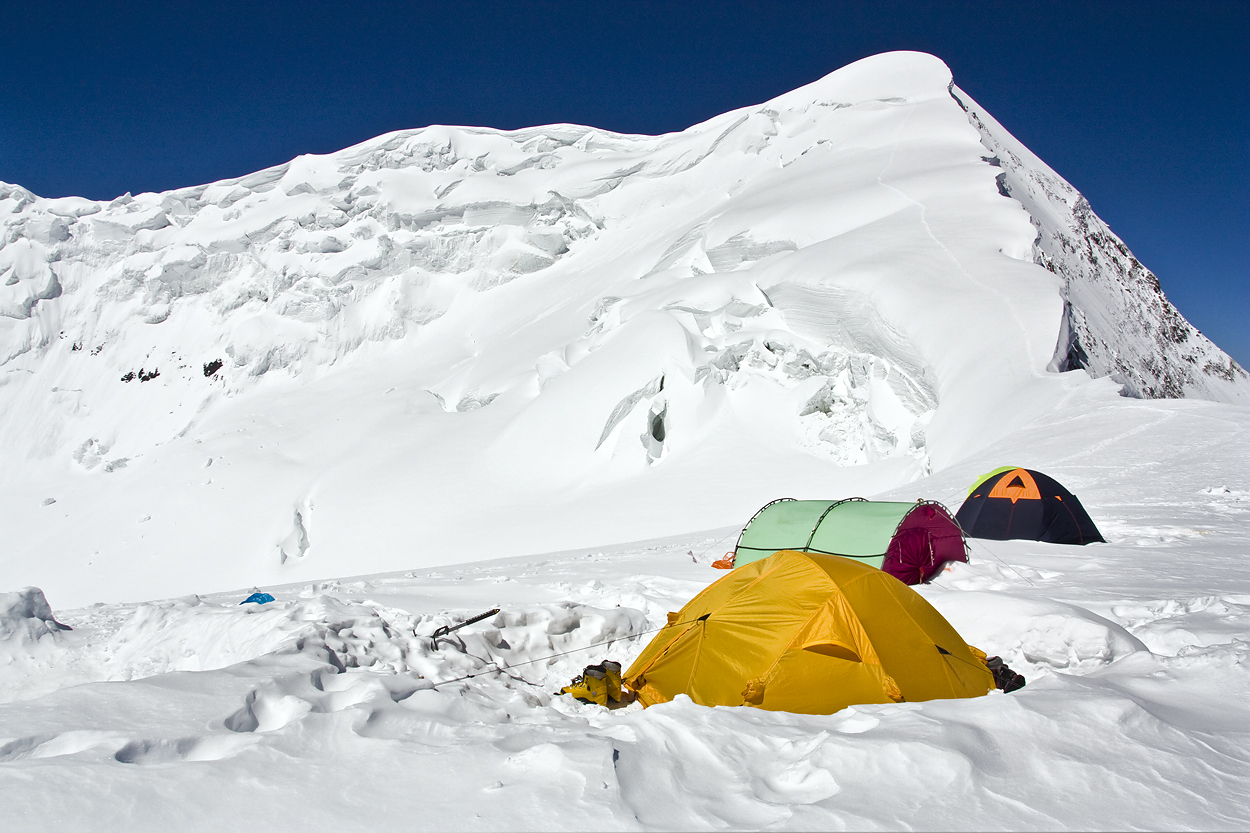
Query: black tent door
[[1069, 523]]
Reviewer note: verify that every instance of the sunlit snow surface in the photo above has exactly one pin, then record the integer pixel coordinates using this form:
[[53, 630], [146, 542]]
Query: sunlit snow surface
[[320, 708], [463, 369]]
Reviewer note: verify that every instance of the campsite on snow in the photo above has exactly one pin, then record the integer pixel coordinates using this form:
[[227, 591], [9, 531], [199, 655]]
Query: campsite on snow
[[829, 464]]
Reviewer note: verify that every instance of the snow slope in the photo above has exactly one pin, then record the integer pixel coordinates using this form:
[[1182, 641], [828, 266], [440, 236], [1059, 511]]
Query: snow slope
[[451, 344], [332, 707]]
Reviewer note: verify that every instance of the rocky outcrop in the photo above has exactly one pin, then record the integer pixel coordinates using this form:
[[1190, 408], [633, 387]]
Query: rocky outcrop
[[1117, 321]]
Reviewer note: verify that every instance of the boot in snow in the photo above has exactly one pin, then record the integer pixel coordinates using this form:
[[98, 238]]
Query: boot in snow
[[591, 686], [613, 672]]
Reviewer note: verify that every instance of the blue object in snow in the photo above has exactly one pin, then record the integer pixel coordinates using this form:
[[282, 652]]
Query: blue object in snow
[[259, 598]]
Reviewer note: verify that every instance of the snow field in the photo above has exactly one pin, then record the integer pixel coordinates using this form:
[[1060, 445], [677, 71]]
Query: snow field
[[1134, 715], [1107, 734]]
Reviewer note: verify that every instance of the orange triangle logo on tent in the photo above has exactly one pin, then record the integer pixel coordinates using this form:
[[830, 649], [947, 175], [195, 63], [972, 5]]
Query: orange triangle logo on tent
[[1016, 485]]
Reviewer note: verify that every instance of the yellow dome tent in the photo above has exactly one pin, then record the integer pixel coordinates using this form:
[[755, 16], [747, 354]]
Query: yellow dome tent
[[809, 633]]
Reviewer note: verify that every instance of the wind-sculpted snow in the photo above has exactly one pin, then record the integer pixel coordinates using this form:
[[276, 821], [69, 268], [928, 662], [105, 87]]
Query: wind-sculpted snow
[[334, 700], [304, 244], [194, 634]]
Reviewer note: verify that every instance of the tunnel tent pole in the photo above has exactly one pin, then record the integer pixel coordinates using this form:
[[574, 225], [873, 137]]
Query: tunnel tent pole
[[753, 517], [808, 546]]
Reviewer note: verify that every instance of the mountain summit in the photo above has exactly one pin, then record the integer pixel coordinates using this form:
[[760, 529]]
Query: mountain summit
[[456, 343]]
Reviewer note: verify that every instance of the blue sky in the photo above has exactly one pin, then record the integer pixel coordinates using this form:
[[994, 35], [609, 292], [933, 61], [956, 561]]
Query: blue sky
[[1144, 106]]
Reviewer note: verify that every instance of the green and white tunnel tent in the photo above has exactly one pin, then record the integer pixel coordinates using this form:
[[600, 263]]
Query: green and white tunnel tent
[[910, 541]]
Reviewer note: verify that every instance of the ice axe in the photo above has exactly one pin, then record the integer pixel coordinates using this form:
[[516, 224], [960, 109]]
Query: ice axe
[[446, 629]]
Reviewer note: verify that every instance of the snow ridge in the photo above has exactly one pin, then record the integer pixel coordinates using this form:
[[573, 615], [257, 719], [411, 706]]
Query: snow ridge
[[296, 267], [1117, 321]]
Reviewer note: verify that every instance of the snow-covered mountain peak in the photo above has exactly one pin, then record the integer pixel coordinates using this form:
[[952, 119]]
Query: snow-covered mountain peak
[[358, 357]]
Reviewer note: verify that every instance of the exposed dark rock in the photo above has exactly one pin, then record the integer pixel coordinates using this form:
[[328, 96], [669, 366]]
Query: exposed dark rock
[[1117, 321]]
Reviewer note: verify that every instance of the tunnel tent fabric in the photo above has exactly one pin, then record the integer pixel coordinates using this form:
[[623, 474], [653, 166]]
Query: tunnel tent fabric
[[808, 633], [910, 541], [1026, 504]]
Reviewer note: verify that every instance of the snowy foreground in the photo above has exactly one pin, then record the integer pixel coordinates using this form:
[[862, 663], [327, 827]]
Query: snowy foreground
[[322, 707], [453, 369]]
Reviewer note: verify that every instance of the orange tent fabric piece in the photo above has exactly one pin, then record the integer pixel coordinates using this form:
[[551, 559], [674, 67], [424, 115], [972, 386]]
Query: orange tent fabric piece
[[808, 633], [1016, 485]]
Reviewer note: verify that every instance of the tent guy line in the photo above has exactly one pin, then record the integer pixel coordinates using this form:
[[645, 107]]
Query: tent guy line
[[501, 668], [716, 545], [981, 544]]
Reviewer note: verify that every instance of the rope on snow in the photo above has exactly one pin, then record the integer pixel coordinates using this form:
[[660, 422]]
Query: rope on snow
[[1000, 561]]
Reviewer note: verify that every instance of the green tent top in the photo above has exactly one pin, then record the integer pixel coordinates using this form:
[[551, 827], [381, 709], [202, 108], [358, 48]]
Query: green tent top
[[855, 528], [988, 475]]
